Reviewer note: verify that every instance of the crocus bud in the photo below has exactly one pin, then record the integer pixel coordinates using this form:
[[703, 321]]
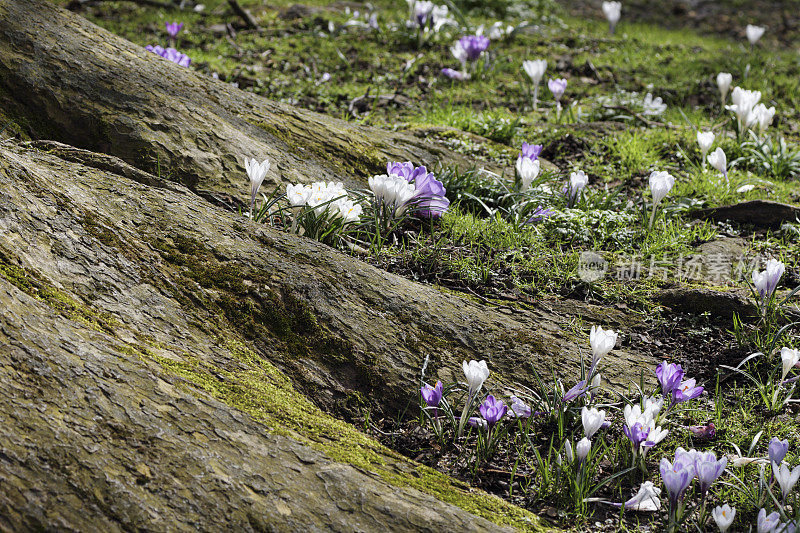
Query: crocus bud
[[705, 139], [582, 449], [592, 420], [661, 183], [568, 451], [724, 80], [777, 450], [557, 87], [612, 11], [256, 172], [527, 170], [718, 160], [577, 182], [789, 358], [754, 33]]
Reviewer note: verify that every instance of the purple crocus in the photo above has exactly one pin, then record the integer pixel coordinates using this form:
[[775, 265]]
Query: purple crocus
[[539, 214], [432, 395], [430, 199], [557, 87], [173, 29], [453, 74], [531, 151], [520, 409], [493, 410], [686, 391], [577, 391], [474, 45], [705, 432], [767, 523], [676, 476], [669, 376], [170, 54], [777, 450], [708, 469], [637, 434]]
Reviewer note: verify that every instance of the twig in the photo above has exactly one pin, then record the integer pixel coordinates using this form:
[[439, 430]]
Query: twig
[[641, 117], [244, 14], [74, 4]]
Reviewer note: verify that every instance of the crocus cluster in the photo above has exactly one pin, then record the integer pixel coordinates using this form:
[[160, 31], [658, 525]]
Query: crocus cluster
[[688, 465], [749, 112], [640, 425], [429, 198], [324, 197], [528, 164], [674, 386], [767, 280], [170, 54], [474, 46]]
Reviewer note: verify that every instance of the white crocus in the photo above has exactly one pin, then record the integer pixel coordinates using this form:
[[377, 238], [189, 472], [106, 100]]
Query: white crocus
[[582, 449], [786, 478], [724, 80], [754, 33], [476, 373], [719, 161], [459, 53], [527, 170], [745, 188], [350, 211], [661, 182], [613, 12], [577, 182], [592, 420], [602, 341], [646, 499], [743, 102], [789, 358], [393, 191], [761, 117], [298, 195], [256, 172], [723, 516], [705, 139], [535, 70], [653, 106]]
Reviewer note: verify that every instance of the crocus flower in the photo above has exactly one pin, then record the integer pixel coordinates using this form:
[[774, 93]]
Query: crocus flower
[[404, 170], [493, 410], [459, 52], [298, 194], [602, 341], [669, 376], [557, 87], [476, 373], [527, 170], [592, 420], [173, 28], [719, 161], [704, 431], [708, 469], [777, 450], [676, 477], [761, 117], [686, 391], [531, 151], [705, 139], [454, 74], [661, 183], [349, 210], [519, 409], [724, 80], [789, 358], [723, 516], [743, 102], [430, 199], [754, 33], [432, 395], [422, 11], [393, 191], [535, 70], [646, 499], [577, 391], [637, 434], [577, 182], [539, 214], [767, 523], [765, 282], [612, 11], [170, 54], [474, 46], [477, 422], [582, 449], [256, 172], [786, 478]]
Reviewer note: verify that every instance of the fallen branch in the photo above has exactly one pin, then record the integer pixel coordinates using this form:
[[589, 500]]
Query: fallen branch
[[249, 20]]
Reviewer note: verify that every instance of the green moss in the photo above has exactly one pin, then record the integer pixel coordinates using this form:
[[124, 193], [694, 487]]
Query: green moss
[[262, 391], [33, 285]]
